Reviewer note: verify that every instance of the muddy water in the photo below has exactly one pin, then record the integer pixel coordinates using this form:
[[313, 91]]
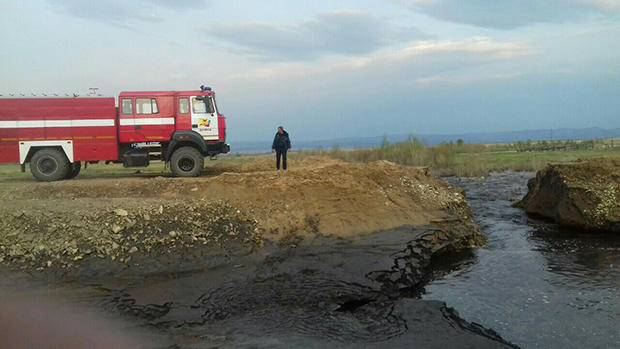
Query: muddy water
[[326, 292], [536, 284]]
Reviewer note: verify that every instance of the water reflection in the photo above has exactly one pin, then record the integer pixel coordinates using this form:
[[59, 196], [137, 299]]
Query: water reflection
[[579, 258], [538, 285]]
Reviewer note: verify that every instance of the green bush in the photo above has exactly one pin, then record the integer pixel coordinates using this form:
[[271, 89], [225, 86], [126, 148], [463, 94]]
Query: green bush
[[469, 160]]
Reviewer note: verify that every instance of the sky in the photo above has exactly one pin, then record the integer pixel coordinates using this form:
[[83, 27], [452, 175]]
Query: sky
[[331, 69]]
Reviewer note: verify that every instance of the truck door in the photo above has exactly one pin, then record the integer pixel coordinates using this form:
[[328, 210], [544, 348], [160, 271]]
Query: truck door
[[141, 121], [204, 117], [126, 122]]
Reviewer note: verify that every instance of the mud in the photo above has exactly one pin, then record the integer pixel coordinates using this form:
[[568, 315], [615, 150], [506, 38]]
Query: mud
[[326, 292], [109, 240]]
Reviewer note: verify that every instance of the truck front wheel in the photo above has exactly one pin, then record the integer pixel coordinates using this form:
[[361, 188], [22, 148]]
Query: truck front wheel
[[186, 162], [49, 165]]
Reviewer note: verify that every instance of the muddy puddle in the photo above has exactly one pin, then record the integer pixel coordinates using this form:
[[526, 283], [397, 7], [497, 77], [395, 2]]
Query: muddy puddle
[[536, 284], [326, 292]]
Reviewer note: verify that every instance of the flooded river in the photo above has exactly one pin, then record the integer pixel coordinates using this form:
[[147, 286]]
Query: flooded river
[[535, 284]]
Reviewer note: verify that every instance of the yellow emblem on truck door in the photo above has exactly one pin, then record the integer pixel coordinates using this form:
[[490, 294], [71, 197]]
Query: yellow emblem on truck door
[[204, 122]]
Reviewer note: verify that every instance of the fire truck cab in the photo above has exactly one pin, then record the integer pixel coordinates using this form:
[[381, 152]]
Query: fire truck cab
[[56, 135]]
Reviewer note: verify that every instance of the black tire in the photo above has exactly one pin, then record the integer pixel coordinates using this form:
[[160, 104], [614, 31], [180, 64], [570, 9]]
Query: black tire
[[49, 165], [187, 162], [74, 170]]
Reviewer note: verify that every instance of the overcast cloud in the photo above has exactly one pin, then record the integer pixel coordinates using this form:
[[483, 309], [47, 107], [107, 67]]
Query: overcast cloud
[[123, 12], [507, 14], [339, 32]]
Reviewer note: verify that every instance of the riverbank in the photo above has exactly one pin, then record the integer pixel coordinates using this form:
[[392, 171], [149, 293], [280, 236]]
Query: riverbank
[[249, 256], [583, 195], [124, 221]]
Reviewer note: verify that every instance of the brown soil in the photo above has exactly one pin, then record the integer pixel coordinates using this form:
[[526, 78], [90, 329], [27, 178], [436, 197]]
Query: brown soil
[[315, 196], [583, 194]]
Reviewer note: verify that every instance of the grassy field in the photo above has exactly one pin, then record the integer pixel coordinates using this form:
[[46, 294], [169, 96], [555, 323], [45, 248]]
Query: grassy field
[[470, 160], [101, 170], [477, 164]]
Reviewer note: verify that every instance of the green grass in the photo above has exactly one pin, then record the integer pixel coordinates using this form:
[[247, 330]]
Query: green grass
[[101, 170], [471, 160], [476, 164], [12, 171]]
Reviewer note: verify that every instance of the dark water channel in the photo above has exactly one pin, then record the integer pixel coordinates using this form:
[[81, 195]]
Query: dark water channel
[[327, 292], [534, 283]]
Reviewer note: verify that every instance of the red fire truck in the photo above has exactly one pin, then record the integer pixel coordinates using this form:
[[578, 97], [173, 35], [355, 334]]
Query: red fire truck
[[56, 135]]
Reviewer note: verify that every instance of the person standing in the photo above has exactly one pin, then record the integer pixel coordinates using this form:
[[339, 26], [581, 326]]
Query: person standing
[[281, 145]]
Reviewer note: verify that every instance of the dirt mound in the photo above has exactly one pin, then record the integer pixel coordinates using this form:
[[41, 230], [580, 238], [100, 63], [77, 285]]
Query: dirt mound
[[266, 163], [584, 194], [333, 196], [46, 238], [316, 196]]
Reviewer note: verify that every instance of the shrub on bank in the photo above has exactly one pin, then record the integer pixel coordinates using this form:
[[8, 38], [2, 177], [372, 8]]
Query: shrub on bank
[[467, 160]]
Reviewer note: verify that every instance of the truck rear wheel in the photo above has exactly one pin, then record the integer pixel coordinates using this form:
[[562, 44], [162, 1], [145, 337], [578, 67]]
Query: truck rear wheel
[[74, 170], [49, 165], [187, 162]]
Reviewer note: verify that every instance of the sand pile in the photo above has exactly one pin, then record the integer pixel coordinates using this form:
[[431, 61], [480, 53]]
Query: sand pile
[[245, 203]]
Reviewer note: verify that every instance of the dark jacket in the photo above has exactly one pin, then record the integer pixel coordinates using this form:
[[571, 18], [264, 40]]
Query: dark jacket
[[281, 141]]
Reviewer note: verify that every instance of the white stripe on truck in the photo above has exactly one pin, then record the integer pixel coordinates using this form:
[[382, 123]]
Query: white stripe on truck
[[146, 121], [56, 123]]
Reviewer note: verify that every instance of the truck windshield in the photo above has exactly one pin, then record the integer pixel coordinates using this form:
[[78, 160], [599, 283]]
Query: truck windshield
[[202, 105]]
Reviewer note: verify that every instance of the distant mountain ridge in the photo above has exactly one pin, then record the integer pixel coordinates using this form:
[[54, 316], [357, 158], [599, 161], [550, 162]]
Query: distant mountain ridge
[[434, 139]]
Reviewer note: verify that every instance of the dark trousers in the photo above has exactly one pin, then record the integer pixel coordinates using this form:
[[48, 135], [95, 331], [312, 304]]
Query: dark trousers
[[281, 153]]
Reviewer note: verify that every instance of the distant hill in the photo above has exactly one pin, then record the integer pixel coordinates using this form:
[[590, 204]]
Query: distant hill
[[434, 139]]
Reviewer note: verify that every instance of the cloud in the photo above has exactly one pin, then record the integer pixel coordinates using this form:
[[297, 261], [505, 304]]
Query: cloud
[[371, 94], [179, 5], [465, 79], [418, 60], [339, 32], [603, 4], [508, 14], [122, 12]]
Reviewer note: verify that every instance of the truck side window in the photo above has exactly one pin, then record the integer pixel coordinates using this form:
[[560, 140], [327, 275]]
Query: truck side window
[[210, 108], [203, 105], [126, 106], [146, 106], [183, 105]]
